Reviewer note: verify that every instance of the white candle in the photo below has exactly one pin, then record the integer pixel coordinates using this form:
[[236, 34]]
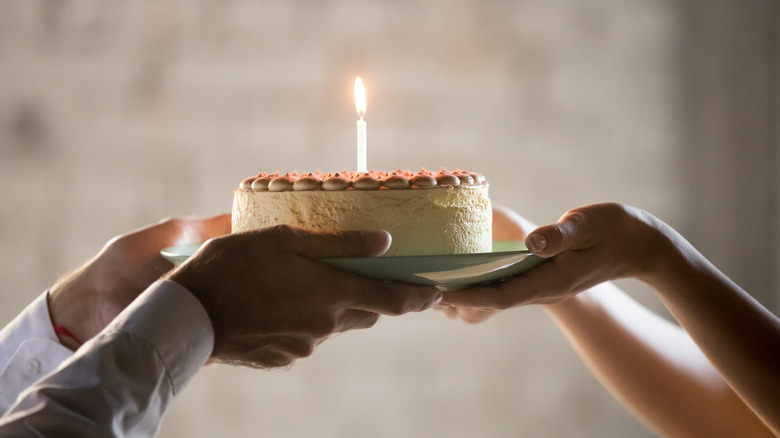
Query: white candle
[[360, 105]]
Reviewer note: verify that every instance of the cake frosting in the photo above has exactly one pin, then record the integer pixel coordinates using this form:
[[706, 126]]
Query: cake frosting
[[446, 212]]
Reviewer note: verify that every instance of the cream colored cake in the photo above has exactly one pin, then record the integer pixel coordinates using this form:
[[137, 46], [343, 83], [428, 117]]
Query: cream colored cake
[[426, 213]]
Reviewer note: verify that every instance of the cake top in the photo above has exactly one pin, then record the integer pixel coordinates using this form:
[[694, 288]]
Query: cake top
[[371, 180]]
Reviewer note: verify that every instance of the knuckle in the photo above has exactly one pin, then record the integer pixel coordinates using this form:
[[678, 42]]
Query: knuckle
[[117, 242], [294, 347], [306, 348], [216, 243], [614, 207], [282, 237], [505, 299], [571, 229], [615, 212], [324, 326], [574, 220], [371, 320], [397, 305], [409, 298], [282, 229], [347, 240], [278, 233], [274, 360]]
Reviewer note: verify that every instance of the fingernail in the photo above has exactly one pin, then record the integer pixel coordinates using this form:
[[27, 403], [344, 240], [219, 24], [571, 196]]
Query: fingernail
[[536, 242], [377, 242], [437, 300]]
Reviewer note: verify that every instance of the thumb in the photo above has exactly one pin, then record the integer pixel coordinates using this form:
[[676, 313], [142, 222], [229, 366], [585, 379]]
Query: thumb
[[550, 240], [340, 243]]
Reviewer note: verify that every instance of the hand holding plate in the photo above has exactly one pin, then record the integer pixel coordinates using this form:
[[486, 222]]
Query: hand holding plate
[[587, 246], [271, 300], [86, 300]]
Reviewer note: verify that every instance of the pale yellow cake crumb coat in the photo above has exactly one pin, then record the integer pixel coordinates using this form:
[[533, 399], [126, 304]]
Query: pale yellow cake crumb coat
[[441, 220]]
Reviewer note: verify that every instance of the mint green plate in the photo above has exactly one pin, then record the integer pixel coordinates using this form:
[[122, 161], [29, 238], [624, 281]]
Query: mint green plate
[[447, 272], [180, 253]]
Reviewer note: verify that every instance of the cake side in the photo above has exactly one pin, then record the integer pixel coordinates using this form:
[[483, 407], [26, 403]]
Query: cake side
[[426, 213], [453, 220]]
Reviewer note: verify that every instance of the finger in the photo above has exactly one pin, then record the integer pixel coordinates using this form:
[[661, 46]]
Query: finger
[[294, 346], [570, 233], [173, 231], [212, 227], [317, 245], [146, 241], [450, 312], [474, 315], [278, 350], [355, 320], [552, 281], [390, 298], [194, 230], [487, 297]]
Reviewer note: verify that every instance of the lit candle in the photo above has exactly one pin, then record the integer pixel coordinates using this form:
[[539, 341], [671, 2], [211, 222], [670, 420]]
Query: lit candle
[[360, 104]]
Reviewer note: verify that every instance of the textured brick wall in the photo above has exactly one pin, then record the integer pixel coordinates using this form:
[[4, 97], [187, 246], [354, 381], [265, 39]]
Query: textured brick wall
[[116, 114]]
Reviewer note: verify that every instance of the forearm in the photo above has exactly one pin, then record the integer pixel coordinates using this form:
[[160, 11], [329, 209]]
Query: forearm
[[29, 349], [737, 334], [72, 306], [116, 387], [717, 379], [652, 366], [121, 382]]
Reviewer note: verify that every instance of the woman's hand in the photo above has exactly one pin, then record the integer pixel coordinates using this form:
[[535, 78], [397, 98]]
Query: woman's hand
[[86, 300], [508, 226], [587, 246]]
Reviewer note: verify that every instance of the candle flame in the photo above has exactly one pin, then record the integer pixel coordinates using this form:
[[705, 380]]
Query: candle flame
[[360, 97]]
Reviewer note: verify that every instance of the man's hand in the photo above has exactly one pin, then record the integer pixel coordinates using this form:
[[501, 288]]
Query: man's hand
[[270, 299], [86, 300]]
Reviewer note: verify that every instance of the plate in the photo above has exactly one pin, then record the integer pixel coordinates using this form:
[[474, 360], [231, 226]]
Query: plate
[[447, 272], [179, 253]]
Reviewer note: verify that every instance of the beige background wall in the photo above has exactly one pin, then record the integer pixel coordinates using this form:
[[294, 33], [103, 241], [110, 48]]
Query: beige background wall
[[116, 114]]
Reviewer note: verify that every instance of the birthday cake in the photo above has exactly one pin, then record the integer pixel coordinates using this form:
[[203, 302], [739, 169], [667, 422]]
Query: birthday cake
[[447, 212]]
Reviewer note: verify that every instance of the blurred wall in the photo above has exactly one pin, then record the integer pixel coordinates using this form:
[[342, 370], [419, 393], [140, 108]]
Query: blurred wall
[[729, 104], [116, 114]]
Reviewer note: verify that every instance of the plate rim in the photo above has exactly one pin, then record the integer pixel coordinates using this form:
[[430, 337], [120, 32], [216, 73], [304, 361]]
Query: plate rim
[[171, 251], [368, 266]]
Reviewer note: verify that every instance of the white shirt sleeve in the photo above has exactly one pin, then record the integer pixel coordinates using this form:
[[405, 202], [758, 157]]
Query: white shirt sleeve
[[121, 382], [29, 349]]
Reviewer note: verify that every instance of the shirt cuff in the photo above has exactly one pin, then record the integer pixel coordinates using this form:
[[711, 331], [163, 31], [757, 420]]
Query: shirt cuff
[[29, 349], [171, 318], [32, 323]]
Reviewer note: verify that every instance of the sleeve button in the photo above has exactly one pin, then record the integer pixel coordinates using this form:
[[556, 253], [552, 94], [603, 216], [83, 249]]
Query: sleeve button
[[33, 366]]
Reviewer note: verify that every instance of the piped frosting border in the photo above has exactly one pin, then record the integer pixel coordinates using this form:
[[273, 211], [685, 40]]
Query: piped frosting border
[[371, 180]]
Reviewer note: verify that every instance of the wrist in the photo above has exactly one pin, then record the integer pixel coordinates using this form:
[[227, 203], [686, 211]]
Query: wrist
[[666, 254], [70, 307], [654, 248], [186, 276]]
